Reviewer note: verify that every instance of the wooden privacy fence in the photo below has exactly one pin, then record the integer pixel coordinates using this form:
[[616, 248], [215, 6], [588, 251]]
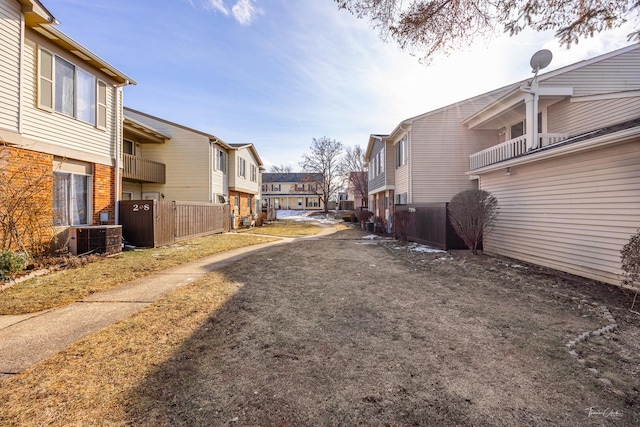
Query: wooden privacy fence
[[429, 224], [153, 223]]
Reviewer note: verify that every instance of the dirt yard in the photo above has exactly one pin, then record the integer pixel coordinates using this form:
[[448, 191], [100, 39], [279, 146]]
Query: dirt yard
[[344, 331]]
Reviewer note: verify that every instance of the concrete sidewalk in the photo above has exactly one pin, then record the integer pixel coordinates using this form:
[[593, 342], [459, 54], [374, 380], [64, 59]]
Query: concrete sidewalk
[[28, 339]]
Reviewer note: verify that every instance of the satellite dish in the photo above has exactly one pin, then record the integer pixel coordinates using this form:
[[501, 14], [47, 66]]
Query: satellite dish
[[541, 59]]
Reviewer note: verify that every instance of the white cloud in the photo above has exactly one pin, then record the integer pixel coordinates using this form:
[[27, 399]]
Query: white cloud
[[245, 11], [216, 5]]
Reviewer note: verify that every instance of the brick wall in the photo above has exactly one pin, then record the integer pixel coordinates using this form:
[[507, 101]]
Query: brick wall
[[103, 193], [243, 208], [26, 192]]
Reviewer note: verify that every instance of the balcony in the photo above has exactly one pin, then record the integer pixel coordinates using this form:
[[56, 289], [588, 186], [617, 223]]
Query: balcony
[[511, 149], [143, 170]]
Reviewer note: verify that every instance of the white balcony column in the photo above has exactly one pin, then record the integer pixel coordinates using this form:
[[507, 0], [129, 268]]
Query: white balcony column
[[531, 115]]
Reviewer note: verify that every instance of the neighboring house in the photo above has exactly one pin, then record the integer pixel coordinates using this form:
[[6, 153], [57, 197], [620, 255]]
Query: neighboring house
[[166, 160], [245, 175], [357, 194], [298, 191], [425, 158], [561, 152], [60, 110], [565, 167]]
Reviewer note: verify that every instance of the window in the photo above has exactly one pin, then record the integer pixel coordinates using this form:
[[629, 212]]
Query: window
[[249, 202], [128, 147], [69, 90], [275, 187], [242, 167], [299, 187], [265, 187], [313, 187], [70, 198], [517, 129], [221, 161], [377, 164], [236, 201], [401, 152], [254, 173]]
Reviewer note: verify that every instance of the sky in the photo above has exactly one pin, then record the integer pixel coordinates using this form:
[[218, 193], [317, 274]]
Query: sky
[[278, 73]]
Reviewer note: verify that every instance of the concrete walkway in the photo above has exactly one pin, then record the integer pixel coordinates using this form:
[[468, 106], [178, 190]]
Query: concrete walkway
[[28, 339]]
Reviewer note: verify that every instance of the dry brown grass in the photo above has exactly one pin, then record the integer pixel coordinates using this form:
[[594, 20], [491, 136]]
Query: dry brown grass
[[64, 287], [88, 383], [286, 228]]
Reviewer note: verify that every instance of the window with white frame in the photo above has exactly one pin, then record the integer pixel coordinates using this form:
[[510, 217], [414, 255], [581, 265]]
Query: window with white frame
[[401, 152], [72, 194], [275, 187], [70, 90], [254, 173], [242, 167], [221, 161]]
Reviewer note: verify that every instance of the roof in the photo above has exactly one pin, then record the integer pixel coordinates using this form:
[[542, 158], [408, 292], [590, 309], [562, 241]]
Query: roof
[[251, 148], [516, 88], [291, 177], [211, 137]]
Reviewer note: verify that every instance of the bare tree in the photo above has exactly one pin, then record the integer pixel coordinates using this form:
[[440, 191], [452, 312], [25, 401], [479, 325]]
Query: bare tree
[[427, 27], [354, 170], [472, 214], [281, 169], [26, 207], [323, 165]]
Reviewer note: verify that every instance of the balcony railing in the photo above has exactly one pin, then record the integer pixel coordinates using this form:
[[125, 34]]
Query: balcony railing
[[510, 149], [140, 169]]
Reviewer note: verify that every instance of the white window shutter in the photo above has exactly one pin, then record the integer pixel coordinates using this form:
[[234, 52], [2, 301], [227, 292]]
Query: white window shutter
[[45, 80], [101, 107]]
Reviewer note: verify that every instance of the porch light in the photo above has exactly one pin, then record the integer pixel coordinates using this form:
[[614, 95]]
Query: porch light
[[507, 171]]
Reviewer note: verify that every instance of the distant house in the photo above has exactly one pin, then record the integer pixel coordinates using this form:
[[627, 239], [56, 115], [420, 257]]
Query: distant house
[[561, 152], [357, 194], [425, 158], [166, 160], [60, 113], [298, 191]]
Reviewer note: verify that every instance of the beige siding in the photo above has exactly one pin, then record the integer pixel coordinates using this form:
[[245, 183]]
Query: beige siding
[[439, 154], [57, 130], [572, 213], [10, 35], [616, 74], [578, 117], [243, 184], [186, 157]]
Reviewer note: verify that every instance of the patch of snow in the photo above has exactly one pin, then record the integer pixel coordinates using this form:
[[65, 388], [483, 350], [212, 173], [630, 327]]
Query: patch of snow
[[370, 237], [424, 249], [294, 215]]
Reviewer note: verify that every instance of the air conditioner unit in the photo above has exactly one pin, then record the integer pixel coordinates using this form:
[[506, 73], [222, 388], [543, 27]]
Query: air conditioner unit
[[222, 199]]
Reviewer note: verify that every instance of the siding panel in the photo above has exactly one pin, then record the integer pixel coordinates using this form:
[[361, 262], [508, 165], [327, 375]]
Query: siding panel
[[579, 117], [573, 213], [58, 129], [10, 30], [186, 157]]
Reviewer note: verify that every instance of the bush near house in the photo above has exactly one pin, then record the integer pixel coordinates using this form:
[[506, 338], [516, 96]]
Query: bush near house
[[472, 213], [11, 263], [363, 217]]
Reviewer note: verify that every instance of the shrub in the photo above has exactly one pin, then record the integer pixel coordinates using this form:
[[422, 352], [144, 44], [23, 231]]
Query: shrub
[[630, 255], [381, 224], [353, 218], [472, 213], [11, 263], [363, 216]]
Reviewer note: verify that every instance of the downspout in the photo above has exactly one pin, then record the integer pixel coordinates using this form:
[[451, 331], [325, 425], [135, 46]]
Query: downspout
[[531, 113], [118, 114], [21, 71]]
